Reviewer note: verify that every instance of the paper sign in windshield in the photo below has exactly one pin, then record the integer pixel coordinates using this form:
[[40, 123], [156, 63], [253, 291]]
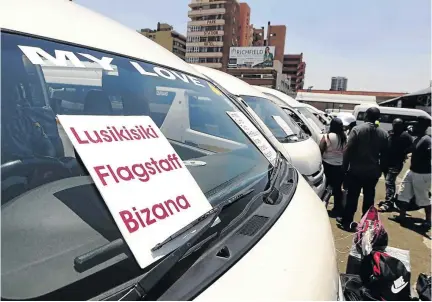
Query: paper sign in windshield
[[144, 183], [256, 137], [283, 125]]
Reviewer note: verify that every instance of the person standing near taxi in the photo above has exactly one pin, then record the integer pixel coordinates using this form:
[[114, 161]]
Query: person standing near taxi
[[332, 146], [365, 159], [416, 183], [399, 144]]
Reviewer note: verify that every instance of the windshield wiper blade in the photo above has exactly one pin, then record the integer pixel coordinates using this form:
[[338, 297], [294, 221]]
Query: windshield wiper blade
[[152, 278]]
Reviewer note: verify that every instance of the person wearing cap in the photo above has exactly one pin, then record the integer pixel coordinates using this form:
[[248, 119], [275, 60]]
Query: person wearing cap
[[399, 144], [364, 160], [348, 120], [417, 180]]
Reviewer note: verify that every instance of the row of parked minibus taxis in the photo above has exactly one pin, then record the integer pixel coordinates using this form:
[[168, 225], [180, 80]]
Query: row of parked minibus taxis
[[273, 243]]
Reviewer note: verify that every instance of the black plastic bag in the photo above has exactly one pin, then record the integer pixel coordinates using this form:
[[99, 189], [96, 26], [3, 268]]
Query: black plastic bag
[[424, 287], [353, 288]]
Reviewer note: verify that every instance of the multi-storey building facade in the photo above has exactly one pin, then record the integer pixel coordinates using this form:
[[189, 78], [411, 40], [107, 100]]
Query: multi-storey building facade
[[212, 30], [167, 37], [339, 83], [244, 25], [295, 68]]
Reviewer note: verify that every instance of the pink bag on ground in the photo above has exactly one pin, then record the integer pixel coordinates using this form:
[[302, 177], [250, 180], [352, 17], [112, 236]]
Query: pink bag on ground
[[377, 237]]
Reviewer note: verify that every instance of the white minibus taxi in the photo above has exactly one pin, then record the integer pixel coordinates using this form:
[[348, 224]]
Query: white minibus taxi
[[388, 114], [321, 115], [299, 111], [280, 128], [59, 239]]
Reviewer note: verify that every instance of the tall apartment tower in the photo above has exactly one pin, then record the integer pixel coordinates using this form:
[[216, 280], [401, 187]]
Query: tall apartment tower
[[244, 25], [339, 83], [212, 30]]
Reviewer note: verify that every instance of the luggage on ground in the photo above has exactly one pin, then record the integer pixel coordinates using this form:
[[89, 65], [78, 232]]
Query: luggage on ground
[[424, 287]]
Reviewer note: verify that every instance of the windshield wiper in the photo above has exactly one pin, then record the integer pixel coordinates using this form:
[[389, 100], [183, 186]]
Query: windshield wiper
[[201, 218], [152, 278]]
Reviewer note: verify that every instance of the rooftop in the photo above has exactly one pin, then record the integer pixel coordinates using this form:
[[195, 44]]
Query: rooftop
[[353, 92]]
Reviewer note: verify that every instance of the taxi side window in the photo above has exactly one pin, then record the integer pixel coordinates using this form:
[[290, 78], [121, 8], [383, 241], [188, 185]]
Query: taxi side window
[[299, 122]]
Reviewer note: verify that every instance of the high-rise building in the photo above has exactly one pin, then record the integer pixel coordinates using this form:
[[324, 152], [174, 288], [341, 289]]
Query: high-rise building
[[258, 38], [244, 25], [276, 37], [295, 68], [167, 37], [212, 30], [339, 83]]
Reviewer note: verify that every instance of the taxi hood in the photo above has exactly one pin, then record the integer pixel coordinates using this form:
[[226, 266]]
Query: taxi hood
[[305, 156]]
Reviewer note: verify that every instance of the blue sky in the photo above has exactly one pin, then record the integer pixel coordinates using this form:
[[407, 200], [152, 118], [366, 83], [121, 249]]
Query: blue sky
[[382, 45]]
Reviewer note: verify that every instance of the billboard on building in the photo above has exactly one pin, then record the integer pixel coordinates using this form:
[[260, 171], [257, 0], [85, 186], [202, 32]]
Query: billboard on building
[[251, 57]]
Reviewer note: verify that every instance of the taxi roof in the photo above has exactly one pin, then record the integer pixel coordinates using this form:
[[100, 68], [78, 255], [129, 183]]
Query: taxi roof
[[69, 22], [231, 83], [284, 97]]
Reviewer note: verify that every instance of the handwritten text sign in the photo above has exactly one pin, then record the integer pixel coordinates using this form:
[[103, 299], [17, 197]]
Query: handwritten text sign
[[144, 183], [252, 132], [283, 125]]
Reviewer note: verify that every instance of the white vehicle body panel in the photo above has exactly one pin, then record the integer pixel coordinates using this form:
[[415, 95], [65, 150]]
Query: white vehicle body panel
[[300, 266], [407, 112]]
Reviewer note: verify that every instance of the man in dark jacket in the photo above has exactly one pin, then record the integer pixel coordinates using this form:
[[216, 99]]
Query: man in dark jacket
[[399, 144], [364, 160], [415, 187]]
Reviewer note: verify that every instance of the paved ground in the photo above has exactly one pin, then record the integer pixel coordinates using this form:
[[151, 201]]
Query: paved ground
[[406, 237]]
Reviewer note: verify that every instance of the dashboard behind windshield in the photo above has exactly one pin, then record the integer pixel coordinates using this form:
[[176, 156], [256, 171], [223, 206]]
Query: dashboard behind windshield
[[267, 110], [51, 211]]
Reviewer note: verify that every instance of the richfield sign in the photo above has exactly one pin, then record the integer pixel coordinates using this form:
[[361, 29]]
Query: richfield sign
[[251, 57]]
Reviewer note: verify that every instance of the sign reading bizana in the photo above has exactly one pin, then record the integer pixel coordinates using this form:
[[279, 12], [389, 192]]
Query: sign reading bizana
[[144, 183]]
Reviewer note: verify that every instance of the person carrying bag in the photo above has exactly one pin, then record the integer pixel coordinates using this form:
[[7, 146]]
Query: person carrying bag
[[332, 146]]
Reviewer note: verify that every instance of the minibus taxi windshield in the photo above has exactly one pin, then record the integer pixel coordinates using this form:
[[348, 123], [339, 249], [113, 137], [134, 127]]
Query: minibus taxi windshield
[[267, 111], [310, 116], [51, 210]]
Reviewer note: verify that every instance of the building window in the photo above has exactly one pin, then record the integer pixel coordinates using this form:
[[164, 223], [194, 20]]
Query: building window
[[192, 60], [194, 28], [193, 39]]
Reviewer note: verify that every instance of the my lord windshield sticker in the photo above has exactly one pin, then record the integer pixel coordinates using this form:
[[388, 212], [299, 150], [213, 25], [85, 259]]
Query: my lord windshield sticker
[[283, 125], [144, 183], [252, 132]]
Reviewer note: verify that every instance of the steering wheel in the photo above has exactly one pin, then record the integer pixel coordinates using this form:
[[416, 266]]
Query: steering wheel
[[19, 176]]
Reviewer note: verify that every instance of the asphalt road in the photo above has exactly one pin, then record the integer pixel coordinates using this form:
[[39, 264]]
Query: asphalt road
[[408, 237]]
